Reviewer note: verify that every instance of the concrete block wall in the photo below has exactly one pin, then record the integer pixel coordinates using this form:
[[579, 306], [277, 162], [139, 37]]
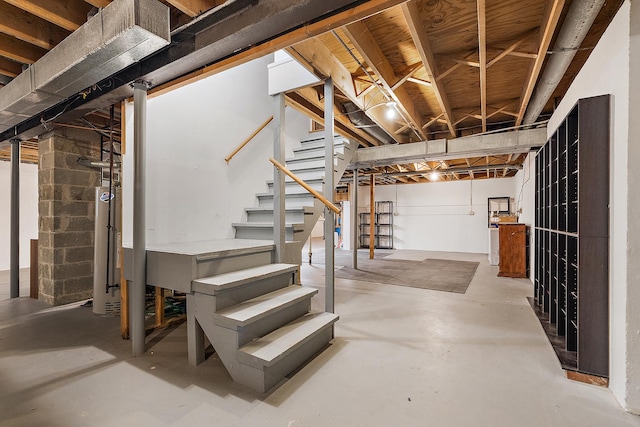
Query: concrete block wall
[[66, 215]]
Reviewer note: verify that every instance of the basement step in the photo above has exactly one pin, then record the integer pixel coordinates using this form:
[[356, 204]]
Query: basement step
[[265, 200], [256, 309], [292, 215], [214, 285], [284, 350], [264, 230], [312, 158]]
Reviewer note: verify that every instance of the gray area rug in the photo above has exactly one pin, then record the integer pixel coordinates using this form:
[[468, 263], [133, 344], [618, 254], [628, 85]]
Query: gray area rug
[[434, 274]]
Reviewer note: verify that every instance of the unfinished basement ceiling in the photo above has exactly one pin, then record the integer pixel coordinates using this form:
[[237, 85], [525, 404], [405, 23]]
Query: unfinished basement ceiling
[[453, 68]]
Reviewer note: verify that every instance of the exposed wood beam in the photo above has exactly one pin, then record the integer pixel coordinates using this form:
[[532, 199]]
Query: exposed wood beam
[[9, 68], [27, 27], [305, 32], [364, 42], [550, 23], [307, 102], [98, 3], [319, 60], [193, 7], [433, 120], [68, 14], [448, 71], [19, 50], [470, 171], [524, 54], [421, 41], [419, 81], [407, 76], [482, 47], [511, 48]]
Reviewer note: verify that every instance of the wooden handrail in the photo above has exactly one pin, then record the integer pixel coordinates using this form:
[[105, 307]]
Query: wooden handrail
[[304, 185], [246, 141]]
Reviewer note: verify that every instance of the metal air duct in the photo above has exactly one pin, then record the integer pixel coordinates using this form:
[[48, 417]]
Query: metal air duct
[[119, 35], [576, 25], [360, 119]]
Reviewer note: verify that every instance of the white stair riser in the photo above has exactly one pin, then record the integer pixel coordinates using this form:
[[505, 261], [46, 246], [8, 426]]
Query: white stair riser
[[293, 201], [307, 164], [245, 292], [294, 187], [272, 322], [301, 153], [271, 376], [262, 233], [267, 216]]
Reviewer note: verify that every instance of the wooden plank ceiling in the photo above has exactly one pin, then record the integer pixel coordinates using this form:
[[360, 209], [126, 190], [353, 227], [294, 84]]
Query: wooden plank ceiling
[[419, 70]]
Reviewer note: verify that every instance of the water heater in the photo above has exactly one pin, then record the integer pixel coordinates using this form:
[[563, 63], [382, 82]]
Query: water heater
[[106, 268]]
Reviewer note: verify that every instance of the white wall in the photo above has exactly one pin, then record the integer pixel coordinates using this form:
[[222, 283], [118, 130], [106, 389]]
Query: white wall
[[607, 72], [192, 194], [436, 216], [28, 212]]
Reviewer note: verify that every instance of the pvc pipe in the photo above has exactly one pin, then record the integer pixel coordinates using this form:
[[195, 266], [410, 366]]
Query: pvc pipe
[[137, 289]]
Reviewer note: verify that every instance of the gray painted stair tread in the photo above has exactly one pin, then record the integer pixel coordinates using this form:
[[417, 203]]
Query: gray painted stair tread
[[254, 309], [211, 248], [241, 277], [271, 348], [303, 209], [295, 226]]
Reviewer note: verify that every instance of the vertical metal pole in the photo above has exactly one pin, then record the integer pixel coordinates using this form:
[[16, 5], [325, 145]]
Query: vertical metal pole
[[329, 218], [14, 263], [372, 216], [137, 288], [354, 219], [278, 178]]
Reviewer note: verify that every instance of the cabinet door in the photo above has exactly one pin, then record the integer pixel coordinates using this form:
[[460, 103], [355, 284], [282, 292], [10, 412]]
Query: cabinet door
[[513, 250]]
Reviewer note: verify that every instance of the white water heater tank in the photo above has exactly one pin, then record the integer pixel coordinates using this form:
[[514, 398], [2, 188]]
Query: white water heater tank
[[106, 268]]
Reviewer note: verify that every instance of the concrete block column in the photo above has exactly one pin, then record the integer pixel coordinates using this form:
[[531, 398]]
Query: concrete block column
[[66, 215]]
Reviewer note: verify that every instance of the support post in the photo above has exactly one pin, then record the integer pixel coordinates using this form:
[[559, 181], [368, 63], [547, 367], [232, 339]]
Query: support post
[[137, 288], [372, 216], [354, 219], [14, 262], [278, 178], [329, 221]]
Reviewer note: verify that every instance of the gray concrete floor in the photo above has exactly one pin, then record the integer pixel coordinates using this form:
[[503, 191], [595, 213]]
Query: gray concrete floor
[[401, 357]]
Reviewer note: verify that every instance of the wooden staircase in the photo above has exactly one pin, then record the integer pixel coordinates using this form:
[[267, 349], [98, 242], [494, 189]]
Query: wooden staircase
[[255, 316]]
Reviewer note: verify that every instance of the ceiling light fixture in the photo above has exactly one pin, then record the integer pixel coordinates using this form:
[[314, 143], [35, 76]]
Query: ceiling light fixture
[[434, 176], [391, 110]]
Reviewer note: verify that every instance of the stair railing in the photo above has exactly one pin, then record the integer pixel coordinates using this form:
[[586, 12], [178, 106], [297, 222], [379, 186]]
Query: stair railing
[[306, 186], [246, 141]]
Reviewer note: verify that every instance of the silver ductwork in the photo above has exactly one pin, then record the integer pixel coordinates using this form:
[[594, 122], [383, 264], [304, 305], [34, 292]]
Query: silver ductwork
[[119, 35], [576, 25], [362, 121]]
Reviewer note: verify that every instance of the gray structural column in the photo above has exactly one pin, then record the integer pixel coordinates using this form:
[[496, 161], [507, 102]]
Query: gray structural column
[[278, 178], [329, 217], [14, 263], [137, 289], [354, 219]]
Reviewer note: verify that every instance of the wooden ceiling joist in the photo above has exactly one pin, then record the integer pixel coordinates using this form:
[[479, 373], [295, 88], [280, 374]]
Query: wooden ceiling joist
[[194, 7], [320, 60], [552, 17], [98, 3], [421, 41], [364, 42], [24, 26], [9, 68], [18, 50], [68, 14]]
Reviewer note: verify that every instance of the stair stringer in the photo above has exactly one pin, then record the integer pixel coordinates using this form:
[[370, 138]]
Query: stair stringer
[[293, 249]]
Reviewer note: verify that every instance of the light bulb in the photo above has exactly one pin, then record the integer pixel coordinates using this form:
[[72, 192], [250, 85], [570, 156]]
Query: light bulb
[[434, 176], [391, 110]]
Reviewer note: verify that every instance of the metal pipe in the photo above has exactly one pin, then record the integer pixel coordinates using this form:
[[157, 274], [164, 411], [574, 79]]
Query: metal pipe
[[109, 225], [137, 288], [279, 204], [372, 216], [354, 219], [14, 274], [97, 165], [576, 25], [329, 221]]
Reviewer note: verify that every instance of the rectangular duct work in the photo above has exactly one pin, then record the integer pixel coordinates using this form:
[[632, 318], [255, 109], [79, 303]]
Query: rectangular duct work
[[119, 35]]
